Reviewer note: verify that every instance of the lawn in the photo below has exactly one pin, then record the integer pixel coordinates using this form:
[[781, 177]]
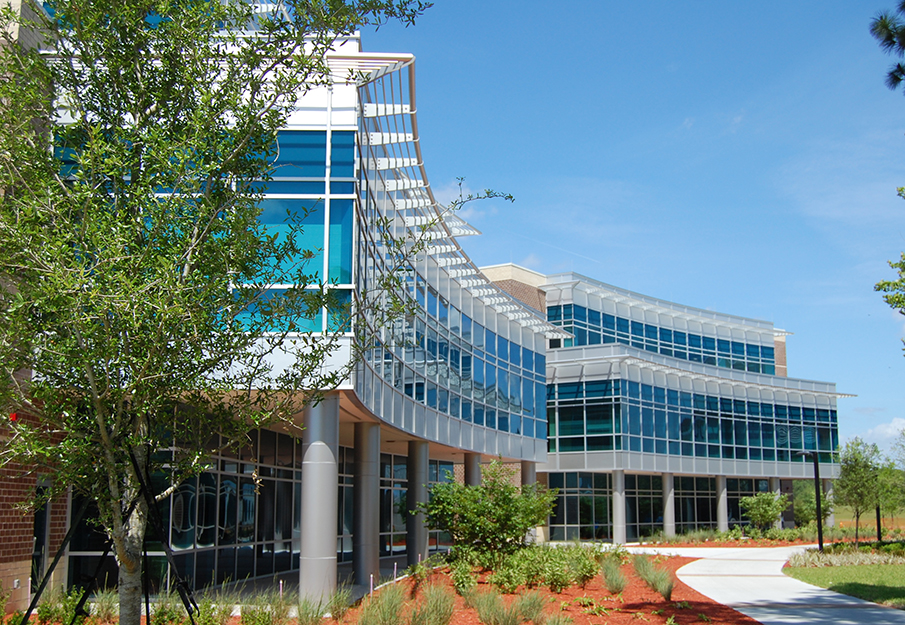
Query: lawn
[[880, 583]]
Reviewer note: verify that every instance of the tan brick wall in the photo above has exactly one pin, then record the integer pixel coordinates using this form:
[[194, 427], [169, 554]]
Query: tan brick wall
[[782, 367]]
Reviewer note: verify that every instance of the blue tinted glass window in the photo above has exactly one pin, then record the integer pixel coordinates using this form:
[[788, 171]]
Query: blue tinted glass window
[[637, 328], [722, 346], [571, 390], [666, 335], [609, 321], [540, 364], [554, 313], [342, 155], [490, 342], [679, 338], [502, 349], [594, 317], [306, 187], [738, 349], [528, 359], [753, 351], [647, 392], [302, 154], [340, 241], [634, 389], [338, 313], [672, 397], [622, 325], [709, 343], [567, 312], [694, 340], [766, 353], [310, 213], [515, 354], [650, 332], [342, 188], [580, 313]]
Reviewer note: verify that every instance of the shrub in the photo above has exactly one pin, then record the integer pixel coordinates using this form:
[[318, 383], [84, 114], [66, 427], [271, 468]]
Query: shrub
[[462, 577], [531, 606], [436, 607], [59, 606], [492, 518], [657, 578], [613, 577], [583, 565], [168, 610], [310, 611], [383, 608], [530, 563], [339, 603], [486, 604], [105, 607], [559, 619], [508, 577], [213, 612], [557, 575], [763, 509], [4, 598]]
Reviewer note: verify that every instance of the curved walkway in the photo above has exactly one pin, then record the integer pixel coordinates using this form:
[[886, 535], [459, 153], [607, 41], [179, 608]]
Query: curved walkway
[[751, 581]]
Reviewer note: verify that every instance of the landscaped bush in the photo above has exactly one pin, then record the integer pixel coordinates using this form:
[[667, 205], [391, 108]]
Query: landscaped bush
[[384, 608], [462, 576], [531, 606], [657, 578], [104, 608], [843, 557], [58, 606], [613, 577], [168, 610], [436, 607], [214, 610]]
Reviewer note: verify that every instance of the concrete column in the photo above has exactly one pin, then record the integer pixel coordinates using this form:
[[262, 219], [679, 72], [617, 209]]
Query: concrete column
[[416, 534], [669, 505], [722, 504], [776, 489], [529, 473], [366, 492], [472, 469], [828, 491], [320, 475], [619, 534]]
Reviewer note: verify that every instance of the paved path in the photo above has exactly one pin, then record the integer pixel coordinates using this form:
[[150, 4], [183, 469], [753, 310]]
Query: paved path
[[751, 581]]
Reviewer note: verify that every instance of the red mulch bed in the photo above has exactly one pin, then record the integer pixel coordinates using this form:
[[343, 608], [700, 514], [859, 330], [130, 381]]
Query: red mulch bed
[[637, 604], [748, 542]]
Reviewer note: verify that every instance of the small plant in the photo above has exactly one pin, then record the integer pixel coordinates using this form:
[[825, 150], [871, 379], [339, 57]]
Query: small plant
[[16, 618], [168, 610], [583, 565], [508, 577], [559, 619], [613, 577], [105, 607], [671, 620], [436, 607], [460, 572], [682, 605], [213, 611], [704, 617], [486, 604], [643, 566], [663, 582], [59, 607], [531, 606], [383, 608], [339, 603], [310, 611], [266, 609]]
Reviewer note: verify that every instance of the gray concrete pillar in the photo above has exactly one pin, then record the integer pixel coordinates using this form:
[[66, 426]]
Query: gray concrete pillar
[[416, 534], [722, 504], [828, 491], [320, 477], [529, 473], [366, 492], [776, 489], [472, 469], [669, 504], [619, 533]]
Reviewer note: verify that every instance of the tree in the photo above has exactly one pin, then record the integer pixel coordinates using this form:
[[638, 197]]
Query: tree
[[890, 488], [763, 509], [888, 28], [857, 485], [493, 517], [805, 505], [136, 310]]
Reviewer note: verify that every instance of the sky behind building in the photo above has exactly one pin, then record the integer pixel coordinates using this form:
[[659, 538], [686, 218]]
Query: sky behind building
[[742, 158]]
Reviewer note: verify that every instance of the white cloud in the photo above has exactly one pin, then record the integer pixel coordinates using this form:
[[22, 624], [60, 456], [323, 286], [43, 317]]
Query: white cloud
[[532, 261], [471, 212], [885, 433]]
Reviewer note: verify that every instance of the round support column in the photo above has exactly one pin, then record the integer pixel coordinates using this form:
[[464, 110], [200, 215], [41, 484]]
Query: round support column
[[366, 492], [416, 534], [722, 504], [529, 473], [472, 469], [619, 530], [320, 475], [669, 505]]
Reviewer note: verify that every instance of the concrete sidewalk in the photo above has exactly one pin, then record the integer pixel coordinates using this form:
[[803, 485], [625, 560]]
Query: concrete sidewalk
[[751, 581]]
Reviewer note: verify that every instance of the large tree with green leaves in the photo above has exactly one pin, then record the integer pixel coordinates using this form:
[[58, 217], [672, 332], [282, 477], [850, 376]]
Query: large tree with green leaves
[[136, 314], [858, 483], [888, 28]]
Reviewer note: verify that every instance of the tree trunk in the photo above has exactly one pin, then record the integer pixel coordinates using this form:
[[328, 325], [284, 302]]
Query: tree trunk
[[129, 549]]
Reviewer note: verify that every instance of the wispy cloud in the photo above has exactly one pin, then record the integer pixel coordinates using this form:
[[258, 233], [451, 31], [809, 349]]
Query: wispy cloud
[[885, 433]]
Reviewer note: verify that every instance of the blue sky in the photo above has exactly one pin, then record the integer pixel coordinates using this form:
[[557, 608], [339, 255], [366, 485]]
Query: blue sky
[[738, 157]]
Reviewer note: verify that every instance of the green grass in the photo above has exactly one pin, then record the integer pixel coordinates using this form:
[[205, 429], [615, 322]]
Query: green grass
[[880, 583]]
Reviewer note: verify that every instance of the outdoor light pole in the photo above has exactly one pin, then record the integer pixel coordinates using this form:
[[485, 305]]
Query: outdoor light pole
[[815, 457]]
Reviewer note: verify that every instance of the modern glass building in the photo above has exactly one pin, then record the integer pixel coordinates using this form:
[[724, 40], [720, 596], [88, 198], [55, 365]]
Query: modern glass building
[[662, 416], [461, 377]]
